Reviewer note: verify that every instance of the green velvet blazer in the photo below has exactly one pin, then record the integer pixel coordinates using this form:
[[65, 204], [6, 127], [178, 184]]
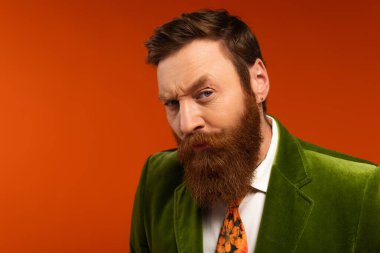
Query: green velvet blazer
[[317, 201]]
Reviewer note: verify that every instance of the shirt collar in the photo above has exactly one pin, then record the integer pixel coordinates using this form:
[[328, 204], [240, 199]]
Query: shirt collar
[[262, 173]]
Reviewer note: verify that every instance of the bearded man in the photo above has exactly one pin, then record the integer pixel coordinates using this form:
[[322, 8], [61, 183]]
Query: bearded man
[[239, 182]]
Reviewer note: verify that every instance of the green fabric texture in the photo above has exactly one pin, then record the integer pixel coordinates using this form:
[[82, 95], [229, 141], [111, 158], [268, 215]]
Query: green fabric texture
[[317, 201]]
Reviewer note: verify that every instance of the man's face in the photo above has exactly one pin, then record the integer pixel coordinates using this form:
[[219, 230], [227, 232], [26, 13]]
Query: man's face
[[216, 124], [200, 89]]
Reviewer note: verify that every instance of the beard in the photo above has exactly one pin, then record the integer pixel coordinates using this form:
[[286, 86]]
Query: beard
[[224, 170]]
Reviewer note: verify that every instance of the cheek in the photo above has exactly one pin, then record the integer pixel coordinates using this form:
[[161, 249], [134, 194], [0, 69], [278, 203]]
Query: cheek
[[225, 113], [222, 119]]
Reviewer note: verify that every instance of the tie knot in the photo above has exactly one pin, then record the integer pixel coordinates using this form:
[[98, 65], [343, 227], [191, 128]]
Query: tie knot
[[235, 203]]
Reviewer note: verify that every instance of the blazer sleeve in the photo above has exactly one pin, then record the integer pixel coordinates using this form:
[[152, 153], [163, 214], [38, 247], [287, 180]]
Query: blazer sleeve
[[368, 238], [138, 236]]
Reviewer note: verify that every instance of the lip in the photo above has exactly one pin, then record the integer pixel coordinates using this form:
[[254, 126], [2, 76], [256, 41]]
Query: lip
[[200, 146]]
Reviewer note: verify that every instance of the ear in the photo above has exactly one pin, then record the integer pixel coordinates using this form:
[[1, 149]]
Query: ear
[[259, 80]]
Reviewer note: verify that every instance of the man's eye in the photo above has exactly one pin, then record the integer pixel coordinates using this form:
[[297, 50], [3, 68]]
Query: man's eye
[[171, 103], [205, 94]]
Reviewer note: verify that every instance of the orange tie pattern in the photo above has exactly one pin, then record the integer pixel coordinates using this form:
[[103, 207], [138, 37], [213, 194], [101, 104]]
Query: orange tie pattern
[[232, 237]]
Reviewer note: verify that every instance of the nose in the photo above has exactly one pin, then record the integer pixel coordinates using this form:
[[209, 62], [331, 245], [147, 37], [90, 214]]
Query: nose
[[190, 119]]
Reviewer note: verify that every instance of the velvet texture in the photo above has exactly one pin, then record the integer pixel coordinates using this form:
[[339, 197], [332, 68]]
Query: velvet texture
[[317, 201]]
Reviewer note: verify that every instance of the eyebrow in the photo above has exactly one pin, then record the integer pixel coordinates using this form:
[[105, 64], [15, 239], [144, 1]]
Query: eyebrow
[[197, 84]]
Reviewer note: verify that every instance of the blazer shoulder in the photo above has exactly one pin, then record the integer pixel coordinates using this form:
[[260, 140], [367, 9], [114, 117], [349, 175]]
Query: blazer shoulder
[[163, 162], [335, 156], [163, 172], [328, 165]]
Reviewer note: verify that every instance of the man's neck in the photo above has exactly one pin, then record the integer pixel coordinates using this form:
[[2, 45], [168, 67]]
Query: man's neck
[[266, 131]]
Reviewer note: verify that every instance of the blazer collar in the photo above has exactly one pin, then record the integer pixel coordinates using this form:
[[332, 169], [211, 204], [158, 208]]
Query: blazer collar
[[286, 208]]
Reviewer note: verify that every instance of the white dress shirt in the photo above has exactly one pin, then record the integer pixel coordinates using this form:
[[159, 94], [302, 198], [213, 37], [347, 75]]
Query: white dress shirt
[[251, 207]]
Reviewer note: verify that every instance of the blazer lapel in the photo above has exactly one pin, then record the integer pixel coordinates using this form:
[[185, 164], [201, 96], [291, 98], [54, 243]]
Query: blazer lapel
[[187, 222], [287, 208]]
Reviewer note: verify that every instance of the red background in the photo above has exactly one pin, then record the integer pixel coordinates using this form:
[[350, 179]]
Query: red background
[[79, 111]]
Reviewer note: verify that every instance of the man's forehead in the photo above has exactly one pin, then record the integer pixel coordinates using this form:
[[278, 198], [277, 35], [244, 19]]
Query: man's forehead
[[198, 60], [196, 54]]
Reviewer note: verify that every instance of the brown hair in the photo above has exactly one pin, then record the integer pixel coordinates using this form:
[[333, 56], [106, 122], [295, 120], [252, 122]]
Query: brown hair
[[236, 36]]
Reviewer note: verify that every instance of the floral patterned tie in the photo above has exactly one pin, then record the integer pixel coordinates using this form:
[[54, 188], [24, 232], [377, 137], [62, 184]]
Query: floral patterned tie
[[232, 237]]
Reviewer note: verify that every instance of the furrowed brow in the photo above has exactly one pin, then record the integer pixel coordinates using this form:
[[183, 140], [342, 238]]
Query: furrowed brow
[[197, 84]]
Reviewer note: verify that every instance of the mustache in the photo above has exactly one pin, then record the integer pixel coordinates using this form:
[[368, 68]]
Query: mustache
[[213, 140]]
